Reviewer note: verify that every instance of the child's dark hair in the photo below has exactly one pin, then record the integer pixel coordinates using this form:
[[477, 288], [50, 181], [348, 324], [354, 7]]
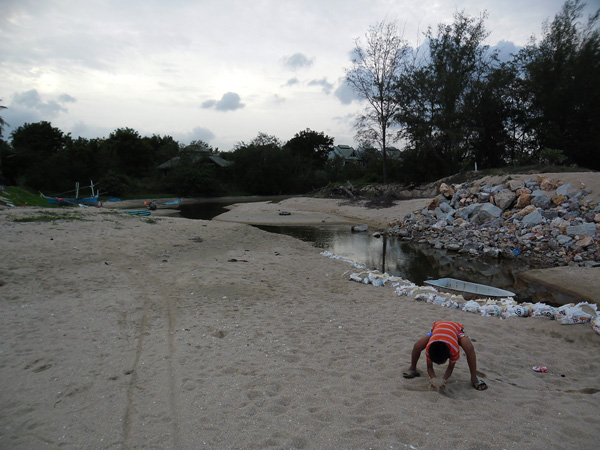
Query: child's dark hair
[[439, 352]]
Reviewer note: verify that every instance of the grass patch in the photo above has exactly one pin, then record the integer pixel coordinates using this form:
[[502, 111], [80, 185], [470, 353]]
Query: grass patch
[[21, 197], [49, 218]]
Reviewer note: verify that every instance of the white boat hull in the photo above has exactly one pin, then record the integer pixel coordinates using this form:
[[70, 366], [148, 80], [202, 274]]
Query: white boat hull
[[466, 287]]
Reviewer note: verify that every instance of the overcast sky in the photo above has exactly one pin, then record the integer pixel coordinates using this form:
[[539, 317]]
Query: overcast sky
[[216, 70]]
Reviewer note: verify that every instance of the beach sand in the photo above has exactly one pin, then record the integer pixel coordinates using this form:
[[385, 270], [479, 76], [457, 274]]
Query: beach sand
[[122, 332]]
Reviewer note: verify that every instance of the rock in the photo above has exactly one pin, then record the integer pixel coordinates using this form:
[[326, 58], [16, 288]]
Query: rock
[[483, 197], [487, 212], [504, 199], [597, 218], [527, 210], [563, 240], [533, 218], [434, 203], [559, 199], [513, 185], [547, 184], [586, 228], [585, 241], [523, 200], [446, 190], [523, 190], [567, 190], [541, 201], [359, 228]]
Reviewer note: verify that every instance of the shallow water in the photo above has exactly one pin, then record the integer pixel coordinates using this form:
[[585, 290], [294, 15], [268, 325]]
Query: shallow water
[[408, 260]]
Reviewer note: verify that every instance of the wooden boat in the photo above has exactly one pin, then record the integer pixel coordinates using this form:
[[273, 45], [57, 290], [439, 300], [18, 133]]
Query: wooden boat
[[466, 288], [62, 201]]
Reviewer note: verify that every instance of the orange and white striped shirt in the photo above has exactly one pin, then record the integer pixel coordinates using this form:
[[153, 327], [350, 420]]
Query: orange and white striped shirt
[[449, 333]]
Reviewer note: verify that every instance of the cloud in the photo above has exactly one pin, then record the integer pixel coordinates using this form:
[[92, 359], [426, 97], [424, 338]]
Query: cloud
[[197, 134], [30, 107], [297, 61], [229, 102], [66, 98], [292, 82], [346, 94], [325, 85], [506, 50]]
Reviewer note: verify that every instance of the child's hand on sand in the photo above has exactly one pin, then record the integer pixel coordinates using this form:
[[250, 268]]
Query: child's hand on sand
[[434, 386]]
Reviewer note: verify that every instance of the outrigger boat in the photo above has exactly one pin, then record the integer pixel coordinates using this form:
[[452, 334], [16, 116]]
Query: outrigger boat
[[63, 201], [466, 288]]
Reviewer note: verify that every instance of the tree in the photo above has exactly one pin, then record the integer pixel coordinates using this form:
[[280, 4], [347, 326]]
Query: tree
[[374, 70], [311, 147], [37, 147], [132, 154], [2, 122], [437, 96], [562, 76]]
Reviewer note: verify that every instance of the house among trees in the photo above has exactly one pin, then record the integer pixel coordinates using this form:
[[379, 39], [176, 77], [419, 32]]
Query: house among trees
[[347, 153], [194, 154]]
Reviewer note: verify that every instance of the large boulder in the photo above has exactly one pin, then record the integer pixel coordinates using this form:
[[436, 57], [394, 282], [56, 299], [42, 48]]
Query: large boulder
[[486, 213], [504, 199], [446, 190], [578, 230]]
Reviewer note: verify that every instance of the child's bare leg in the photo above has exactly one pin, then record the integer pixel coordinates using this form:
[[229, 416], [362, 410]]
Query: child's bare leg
[[416, 352], [467, 345]]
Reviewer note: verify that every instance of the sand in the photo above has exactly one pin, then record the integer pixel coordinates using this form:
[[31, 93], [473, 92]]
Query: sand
[[128, 333]]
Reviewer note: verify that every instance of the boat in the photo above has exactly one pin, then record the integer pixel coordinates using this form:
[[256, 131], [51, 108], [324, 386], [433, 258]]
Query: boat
[[143, 212], [466, 288], [64, 201]]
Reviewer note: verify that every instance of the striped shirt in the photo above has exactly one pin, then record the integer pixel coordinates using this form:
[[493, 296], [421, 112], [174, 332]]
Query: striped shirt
[[449, 333]]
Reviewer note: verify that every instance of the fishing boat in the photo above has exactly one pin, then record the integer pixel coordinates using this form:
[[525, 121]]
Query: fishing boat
[[466, 288], [65, 201]]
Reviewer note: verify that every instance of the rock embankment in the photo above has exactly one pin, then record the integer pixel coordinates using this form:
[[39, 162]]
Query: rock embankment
[[539, 218]]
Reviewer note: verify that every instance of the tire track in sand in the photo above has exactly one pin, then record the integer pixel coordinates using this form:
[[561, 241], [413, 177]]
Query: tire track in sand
[[154, 298]]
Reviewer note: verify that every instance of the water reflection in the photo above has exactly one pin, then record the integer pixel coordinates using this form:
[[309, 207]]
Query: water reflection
[[410, 261], [413, 262]]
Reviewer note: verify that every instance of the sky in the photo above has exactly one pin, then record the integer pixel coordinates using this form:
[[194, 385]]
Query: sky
[[216, 70]]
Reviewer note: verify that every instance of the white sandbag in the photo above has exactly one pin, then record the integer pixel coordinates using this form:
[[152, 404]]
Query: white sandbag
[[491, 310], [515, 311], [356, 277], [438, 299], [543, 310], [596, 324], [424, 297], [574, 314], [377, 279], [406, 290], [451, 304], [472, 307]]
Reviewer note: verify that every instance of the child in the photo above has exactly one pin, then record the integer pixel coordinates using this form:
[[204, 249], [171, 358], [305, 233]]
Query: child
[[441, 344]]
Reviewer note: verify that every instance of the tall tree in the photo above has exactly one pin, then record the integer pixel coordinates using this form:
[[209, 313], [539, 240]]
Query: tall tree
[[311, 147], [2, 122], [37, 147], [434, 94], [562, 75], [374, 69]]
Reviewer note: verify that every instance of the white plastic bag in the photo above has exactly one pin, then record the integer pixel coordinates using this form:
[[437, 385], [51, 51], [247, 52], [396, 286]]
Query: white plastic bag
[[579, 313], [515, 311], [596, 324], [543, 310], [471, 306], [491, 310]]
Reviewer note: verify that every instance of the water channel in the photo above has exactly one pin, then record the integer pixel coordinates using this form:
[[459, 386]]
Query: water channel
[[408, 260]]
